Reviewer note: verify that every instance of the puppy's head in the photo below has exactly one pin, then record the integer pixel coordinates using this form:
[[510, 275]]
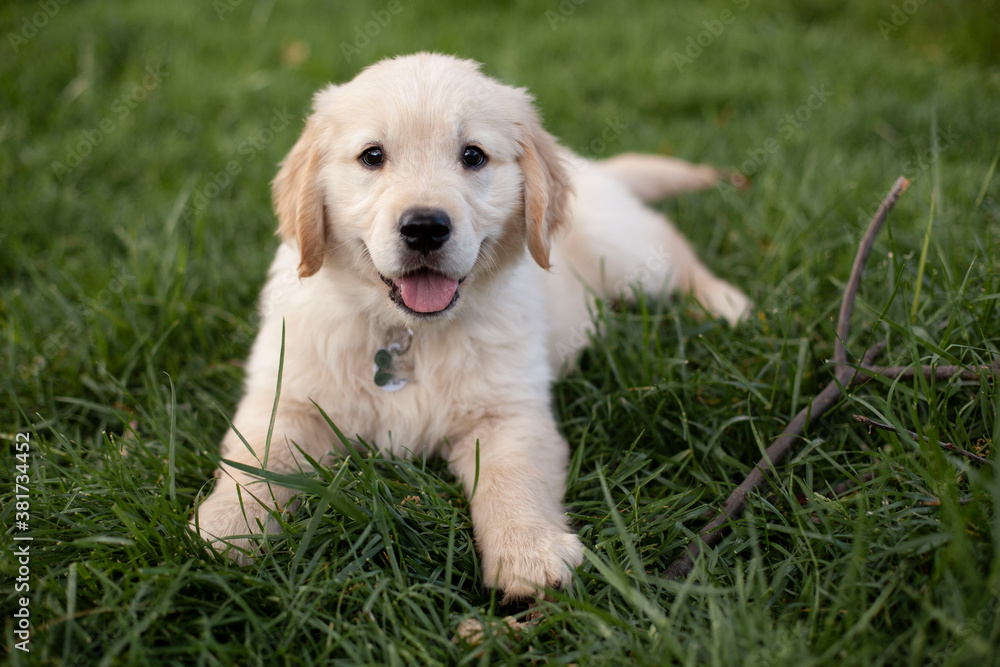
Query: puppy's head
[[421, 176]]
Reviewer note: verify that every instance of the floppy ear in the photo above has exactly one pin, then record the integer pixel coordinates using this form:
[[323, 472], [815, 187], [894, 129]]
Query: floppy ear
[[546, 190], [298, 201]]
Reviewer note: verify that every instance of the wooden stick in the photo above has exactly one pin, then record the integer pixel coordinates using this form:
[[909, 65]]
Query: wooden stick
[[713, 532], [854, 282], [871, 423], [933, 372]]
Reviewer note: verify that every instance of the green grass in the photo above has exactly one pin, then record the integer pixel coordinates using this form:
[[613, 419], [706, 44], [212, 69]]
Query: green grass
[[128, 299]]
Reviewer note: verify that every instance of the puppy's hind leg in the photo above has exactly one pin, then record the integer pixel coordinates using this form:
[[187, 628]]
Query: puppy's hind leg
[[653, 177], [719, 297], [680, 270], [616, 242]]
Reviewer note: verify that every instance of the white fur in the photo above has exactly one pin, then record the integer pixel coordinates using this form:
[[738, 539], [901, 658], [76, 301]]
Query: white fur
[[481, 370]]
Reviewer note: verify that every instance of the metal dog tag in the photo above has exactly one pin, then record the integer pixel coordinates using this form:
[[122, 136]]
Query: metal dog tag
[[387, 365]]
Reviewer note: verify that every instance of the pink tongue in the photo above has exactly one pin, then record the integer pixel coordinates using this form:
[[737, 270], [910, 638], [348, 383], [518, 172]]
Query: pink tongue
[[426, 291]]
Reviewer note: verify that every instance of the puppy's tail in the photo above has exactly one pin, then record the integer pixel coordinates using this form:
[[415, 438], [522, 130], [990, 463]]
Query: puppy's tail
[[653, 177]]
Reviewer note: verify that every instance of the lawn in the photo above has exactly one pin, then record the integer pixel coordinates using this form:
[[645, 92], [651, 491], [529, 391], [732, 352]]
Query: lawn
[[136, 229]]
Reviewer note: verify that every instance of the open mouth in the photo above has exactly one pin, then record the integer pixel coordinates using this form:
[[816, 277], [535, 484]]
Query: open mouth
[[423, 292]]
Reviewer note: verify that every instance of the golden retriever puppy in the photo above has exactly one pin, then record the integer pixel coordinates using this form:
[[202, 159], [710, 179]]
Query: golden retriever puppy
[[439, 248]]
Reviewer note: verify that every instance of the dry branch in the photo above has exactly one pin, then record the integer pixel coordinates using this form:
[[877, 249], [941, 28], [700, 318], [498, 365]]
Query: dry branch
[[933, 372], [954, 449], [844, 376]]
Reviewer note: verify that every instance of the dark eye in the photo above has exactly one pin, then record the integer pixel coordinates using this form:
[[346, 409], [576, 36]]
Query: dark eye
[[473, 156], [372, 157]]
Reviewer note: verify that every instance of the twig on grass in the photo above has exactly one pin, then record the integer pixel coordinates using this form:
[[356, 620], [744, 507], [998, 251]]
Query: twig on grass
[[871, 423], [844, 376], [933, 372]]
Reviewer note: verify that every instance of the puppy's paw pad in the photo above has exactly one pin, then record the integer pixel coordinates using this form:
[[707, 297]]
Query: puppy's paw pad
[[225, 523], [531, 559], [728, 302]]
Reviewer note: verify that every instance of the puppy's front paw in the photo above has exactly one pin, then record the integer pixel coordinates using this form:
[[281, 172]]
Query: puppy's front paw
[[522, 560], [726, 301], [226, 524]]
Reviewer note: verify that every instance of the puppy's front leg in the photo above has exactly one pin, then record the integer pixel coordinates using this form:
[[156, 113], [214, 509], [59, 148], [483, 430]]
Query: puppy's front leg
[[242, 505], [239, 506], [516, 493]]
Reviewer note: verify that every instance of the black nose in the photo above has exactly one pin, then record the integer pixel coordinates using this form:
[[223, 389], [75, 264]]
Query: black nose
[[424, 229]]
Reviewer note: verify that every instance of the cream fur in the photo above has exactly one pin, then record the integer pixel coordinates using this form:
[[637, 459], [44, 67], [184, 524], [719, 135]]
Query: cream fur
[[481, 370]]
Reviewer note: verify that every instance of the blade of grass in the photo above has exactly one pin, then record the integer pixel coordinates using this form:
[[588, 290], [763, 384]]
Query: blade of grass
[[989, 176], [919, 280], [277, 395]]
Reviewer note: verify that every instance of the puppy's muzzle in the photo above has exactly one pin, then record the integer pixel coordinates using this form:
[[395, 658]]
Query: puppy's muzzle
[[424, 230]]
